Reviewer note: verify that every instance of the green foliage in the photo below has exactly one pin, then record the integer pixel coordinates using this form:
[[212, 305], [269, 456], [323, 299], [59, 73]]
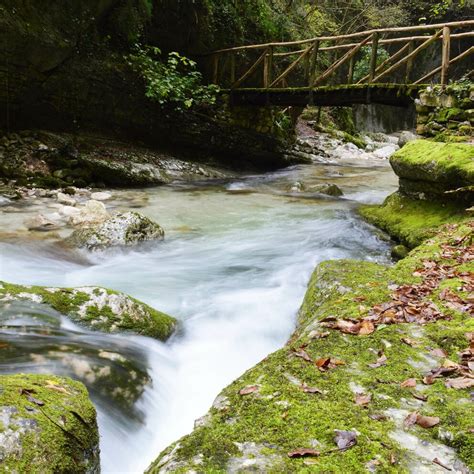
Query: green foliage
[[172, 81], [440, 9], [361, 67]]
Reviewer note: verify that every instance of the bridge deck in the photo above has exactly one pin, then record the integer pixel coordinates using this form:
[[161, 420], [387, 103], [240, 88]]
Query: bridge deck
[[400, 95]]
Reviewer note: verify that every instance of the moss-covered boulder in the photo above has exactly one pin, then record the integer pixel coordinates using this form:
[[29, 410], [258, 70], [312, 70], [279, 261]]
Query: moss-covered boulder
[[344, 395], [429, 169], [411, 221], [122, 229], [96, 308], [47, 424]]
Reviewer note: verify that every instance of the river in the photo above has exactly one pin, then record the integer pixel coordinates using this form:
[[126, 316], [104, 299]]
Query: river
[[233, 269]]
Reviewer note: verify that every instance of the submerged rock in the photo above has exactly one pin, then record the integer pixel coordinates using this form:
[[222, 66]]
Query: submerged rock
[[96, 308], [47, 424], [122, 229], [94, 212], [327, 188]]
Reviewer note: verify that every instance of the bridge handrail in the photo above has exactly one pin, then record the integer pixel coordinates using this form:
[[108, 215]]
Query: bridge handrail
[[379, 31]]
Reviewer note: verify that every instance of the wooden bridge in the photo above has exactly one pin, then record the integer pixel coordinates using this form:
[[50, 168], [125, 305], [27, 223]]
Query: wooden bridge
[[331, 70]]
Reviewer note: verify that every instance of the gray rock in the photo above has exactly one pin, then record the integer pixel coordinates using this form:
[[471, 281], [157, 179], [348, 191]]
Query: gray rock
[[123, 229], [93, 212], [406, 137], [327, 188]]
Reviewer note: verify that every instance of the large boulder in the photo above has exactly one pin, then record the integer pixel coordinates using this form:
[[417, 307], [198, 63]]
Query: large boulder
[[122, 229], [328, 189], [47, 424], [430, 169], [96, 308]]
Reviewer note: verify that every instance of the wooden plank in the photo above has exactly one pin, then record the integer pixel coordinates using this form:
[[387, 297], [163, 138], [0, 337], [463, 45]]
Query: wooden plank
[[373, 56], [251, 70], [422, 46], [290, 67], [445, 55], [340, 62], [438, 69], [401, 29], [394, 57]]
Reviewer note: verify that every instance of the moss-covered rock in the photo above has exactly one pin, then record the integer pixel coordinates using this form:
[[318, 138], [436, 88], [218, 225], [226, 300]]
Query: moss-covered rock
[[47, 424], [122, 229], [96, 308], [411, 221], [295, 399], [429, 169]]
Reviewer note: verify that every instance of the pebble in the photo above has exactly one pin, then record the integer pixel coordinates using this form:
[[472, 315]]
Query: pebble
[[66, 199]]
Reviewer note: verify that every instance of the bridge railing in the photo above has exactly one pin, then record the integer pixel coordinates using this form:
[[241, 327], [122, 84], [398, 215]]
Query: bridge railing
[[318, 61]]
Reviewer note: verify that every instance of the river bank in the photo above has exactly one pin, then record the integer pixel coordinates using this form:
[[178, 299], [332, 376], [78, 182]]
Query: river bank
[[232, 269]]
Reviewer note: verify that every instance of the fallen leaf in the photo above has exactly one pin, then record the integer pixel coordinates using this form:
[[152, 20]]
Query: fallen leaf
[[382, 360], [408, 383], [409, 342], [248, 389], [303, 452], [459, 383], [345, 439], [50, 384], [420, 396], [438, 353], [30, 398], [363, 399], [366, 327], [410, 420], [378, 417], [322, 363], [302, 354], [428, 380], [427, 421], [307, 389]]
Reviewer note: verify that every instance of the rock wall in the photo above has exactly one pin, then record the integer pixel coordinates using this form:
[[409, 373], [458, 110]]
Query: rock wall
[[63, 68], [383, 118], [446, 112]]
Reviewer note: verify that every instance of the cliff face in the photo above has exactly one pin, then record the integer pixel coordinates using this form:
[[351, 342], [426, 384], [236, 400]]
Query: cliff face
[[62, 67]]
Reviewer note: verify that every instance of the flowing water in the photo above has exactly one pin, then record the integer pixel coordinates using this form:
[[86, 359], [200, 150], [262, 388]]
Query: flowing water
[[233, 269]]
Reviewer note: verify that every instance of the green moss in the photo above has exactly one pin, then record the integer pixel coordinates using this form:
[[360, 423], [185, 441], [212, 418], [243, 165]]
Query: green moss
[[55, 423], [93, 308], [451, 164], [411, 221], [280, 417]]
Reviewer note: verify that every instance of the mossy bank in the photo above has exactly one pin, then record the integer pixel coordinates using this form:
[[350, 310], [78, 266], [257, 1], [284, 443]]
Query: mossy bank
[[48, 424], [297, 397], [96, 308]]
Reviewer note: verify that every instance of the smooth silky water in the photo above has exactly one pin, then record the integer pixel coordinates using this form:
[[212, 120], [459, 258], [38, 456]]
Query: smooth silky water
[[233, 269]]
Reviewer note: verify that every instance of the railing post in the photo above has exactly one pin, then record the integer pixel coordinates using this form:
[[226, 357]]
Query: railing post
[[411, 48], [445, 56], [373, 56], [312, 63], [267, 68], [215, 68], [232, 68], [350, 74]]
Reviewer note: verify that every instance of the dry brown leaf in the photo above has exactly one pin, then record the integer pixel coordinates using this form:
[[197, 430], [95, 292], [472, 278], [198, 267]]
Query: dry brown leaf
[[427, 421], [410, 420], [438, 353], [408, 383], [302, 354], [420, 396], [307, 389], [460, 383], [318, 335], [366, 327], [409, 342], [248, 389], [303, 452], [382, 360], [363, 399]]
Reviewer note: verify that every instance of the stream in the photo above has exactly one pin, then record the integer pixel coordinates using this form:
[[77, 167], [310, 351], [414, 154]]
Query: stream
[[233, 269]]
